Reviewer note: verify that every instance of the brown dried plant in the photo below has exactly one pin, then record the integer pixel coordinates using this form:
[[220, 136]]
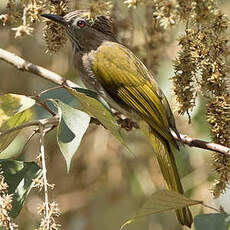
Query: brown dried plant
[[49, 223], [54, 34], [5, 206], [202, 66]]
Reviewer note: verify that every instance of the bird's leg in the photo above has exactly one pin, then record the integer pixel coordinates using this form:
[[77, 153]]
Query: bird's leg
[[124, 122]]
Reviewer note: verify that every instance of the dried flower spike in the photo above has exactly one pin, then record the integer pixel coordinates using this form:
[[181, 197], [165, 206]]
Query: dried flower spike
[[203, 64], [132, 3], [5, 205], [49, 223], [99, 8], [54, 34], [22, 30]]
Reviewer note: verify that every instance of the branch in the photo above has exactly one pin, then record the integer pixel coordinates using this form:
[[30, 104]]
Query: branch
[[48, 121], [192, 142], [24, 65]]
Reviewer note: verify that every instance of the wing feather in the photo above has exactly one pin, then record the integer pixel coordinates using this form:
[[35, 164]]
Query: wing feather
[[125, 78]]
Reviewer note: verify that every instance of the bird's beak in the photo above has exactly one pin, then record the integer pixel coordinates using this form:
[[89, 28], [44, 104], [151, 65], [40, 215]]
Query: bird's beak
[[56, 18]]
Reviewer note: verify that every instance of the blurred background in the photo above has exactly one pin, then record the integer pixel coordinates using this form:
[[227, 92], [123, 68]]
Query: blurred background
[[107, 184]]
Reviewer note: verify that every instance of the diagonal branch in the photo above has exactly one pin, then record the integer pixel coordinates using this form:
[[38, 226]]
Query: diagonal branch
[[48, 121], [193, 142], [24, 65]]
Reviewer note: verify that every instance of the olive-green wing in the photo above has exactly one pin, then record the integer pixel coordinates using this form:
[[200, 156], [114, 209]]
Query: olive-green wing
[[128, 82]]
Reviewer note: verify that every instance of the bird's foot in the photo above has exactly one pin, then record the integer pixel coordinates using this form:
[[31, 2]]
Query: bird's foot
[[127, 123]]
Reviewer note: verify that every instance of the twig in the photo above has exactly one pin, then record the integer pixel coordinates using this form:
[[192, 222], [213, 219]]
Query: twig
[[46, 107], [23, 65], [48, 121], [50, 89], [44, 171], [32, 135], [28, 140], [192, 142], [215, 209], [24, 17], [43, 104]]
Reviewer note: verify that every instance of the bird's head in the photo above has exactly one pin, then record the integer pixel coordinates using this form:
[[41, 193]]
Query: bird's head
[[85, 32]]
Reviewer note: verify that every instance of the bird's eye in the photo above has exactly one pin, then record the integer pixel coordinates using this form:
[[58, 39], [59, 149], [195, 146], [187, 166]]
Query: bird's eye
[[81, 23]]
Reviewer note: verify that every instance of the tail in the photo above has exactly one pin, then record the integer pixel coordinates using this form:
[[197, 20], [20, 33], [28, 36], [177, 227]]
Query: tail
[[169, 170]]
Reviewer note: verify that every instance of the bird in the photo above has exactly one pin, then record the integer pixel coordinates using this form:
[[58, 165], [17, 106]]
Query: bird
[[114, 72]]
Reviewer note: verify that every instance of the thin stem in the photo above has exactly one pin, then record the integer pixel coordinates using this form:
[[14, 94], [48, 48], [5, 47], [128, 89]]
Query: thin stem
[[215, 209], [43, 104], [192, 142], [28, 140], [31, 136], [50, 89], [48, 121], [24, 16], [46, 107], [44, 173]]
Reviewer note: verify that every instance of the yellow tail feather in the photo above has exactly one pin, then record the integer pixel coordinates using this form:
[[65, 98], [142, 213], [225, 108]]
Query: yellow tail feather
[[169, 171]]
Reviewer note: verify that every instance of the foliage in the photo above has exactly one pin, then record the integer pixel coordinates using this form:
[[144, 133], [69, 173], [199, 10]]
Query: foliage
[[72, 126], [20, 178], [14, 111], [162, 201], [212, 221]]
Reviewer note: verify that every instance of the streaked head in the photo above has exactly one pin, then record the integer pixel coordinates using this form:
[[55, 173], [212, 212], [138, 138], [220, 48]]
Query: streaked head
[[84, 32]]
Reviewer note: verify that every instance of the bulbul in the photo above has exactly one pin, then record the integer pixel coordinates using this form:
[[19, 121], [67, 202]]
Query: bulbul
[[116, 74]]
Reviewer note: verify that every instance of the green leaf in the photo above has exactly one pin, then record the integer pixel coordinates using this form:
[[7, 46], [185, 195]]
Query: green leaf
[[72, 126], [97, 107], [162, 201], [212, 221], [14, 149], [14, 110], [19, 176]]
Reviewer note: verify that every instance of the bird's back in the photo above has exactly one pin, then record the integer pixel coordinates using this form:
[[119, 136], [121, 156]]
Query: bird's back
[[129, 83]]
